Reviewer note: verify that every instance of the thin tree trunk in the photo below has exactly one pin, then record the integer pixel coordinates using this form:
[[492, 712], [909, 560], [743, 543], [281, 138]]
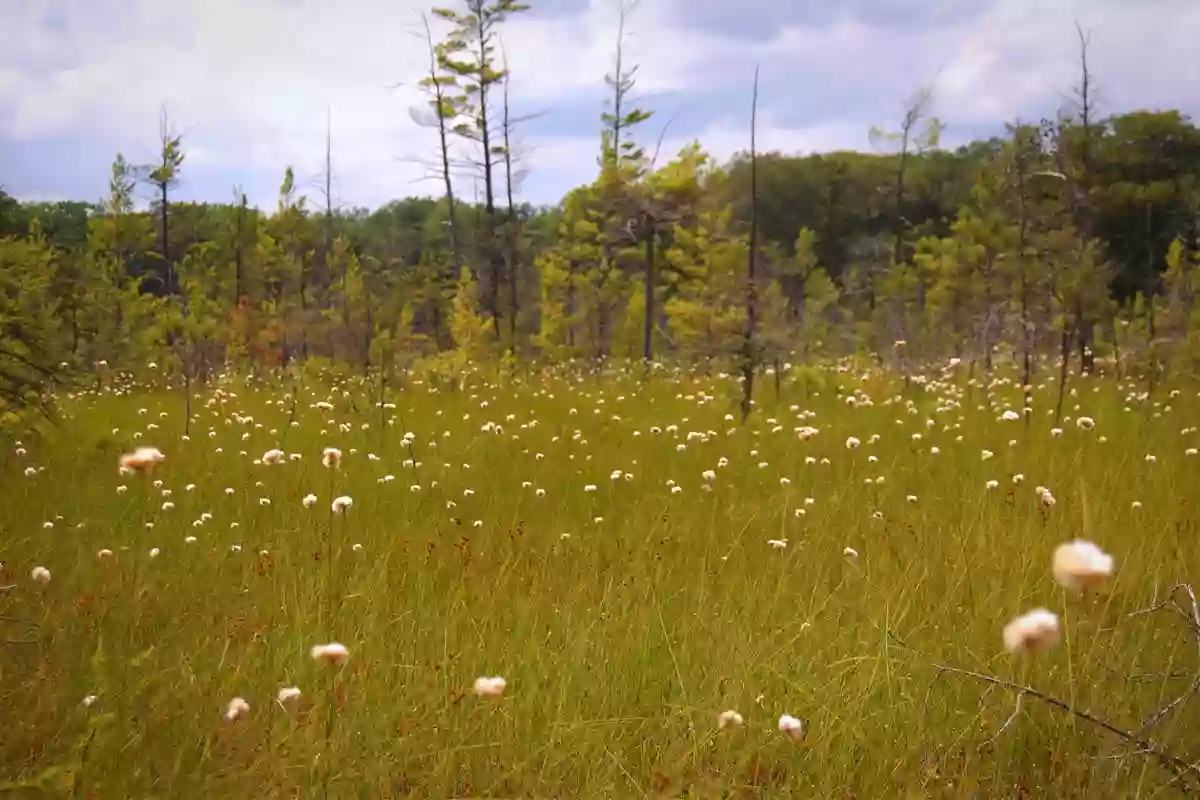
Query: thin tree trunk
[[748, 353], [649, 279]]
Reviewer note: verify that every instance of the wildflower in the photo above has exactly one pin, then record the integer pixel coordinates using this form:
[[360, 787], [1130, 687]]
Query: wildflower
[[933, 451], [140, 460], [708, 475], [331, 457], [791, 727], [274, 457], [104, 553], [88, 701], [264, 501], [539, 492], [1151, 459], [992, 484], [1009, 415], [309, 500], [778, 544], [154, 551], [490, 687], [987, 454], [237, 708], [911, 498], [1081, 564], [332, 653], [287, 694], [729, 719], [1019, 478], [852, 442], [850, 553], [1056, 431], [1085, 423], [40, 574], [357, 548], [1031, 632], [340, 504]]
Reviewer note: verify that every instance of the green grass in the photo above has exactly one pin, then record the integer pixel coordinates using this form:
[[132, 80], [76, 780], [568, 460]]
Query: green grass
[[621, 639]]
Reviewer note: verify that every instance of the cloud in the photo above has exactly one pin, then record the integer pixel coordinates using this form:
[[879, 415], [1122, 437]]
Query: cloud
[[249, 84]]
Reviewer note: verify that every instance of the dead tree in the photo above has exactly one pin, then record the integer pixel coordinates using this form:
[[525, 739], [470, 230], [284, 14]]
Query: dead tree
[[749, 358]]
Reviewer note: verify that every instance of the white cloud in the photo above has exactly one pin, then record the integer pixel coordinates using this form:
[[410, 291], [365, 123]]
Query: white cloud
[[249, 83]]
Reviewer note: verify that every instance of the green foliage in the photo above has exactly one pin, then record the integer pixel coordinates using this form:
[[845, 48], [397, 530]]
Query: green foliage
[[30, 349]]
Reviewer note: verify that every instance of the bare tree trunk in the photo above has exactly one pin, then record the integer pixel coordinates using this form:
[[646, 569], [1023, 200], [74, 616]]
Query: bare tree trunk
[[1065, 352], [649, 278], [510, 229], [748, 352], [442, 112]]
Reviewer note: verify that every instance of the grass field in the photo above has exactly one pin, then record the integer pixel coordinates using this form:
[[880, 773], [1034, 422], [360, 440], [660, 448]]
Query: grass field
[[560, 531]]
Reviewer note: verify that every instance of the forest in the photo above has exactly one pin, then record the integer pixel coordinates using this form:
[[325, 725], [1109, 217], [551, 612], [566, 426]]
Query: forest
[[1067, 238]]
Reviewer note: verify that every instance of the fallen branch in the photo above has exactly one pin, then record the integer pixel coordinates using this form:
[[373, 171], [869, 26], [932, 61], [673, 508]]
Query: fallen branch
[[1175, 765]]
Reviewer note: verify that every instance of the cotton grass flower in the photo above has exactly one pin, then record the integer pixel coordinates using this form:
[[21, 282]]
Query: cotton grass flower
[[1085, 423], [142, 459], [1081, 564], [333, 653], [850, 553], [852, 443], [331, 458], [40, 574], [729, 719], [490, 687], [309, 500], [1032, 632], [272, 457], [791, 727], [340, 504], [236, 709], [287, 695]]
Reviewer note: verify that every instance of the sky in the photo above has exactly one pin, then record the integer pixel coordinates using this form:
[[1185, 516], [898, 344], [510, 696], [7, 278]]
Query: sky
[[250, 84]]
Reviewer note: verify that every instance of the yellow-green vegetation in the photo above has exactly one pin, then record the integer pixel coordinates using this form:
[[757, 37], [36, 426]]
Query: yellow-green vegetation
[[624, 618]]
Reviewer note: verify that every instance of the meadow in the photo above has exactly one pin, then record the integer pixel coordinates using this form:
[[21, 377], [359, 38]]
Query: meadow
[[630, 558]]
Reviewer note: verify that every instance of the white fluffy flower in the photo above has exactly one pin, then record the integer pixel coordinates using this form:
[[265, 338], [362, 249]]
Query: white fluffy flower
[[236, 709], [287, 694], [332, 653], [340, 504], [1081, 564], [729, 719], [331, 457], [791, 727], [490, 687], [40, 574], [1031, 632]]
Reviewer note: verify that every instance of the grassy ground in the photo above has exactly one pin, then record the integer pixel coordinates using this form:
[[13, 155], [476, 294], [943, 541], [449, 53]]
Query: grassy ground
[[624, 619]]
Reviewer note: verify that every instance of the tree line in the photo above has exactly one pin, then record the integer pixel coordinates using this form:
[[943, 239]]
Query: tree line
[[1073, 237]]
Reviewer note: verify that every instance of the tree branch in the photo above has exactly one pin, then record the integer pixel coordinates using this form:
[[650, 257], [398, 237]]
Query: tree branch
[[1176, 766]]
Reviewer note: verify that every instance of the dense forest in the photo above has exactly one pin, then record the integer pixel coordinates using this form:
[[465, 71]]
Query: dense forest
[[1069, 238]]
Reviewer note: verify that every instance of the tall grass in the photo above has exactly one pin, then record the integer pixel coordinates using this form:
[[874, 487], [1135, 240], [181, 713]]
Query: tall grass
[[624, 620]]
